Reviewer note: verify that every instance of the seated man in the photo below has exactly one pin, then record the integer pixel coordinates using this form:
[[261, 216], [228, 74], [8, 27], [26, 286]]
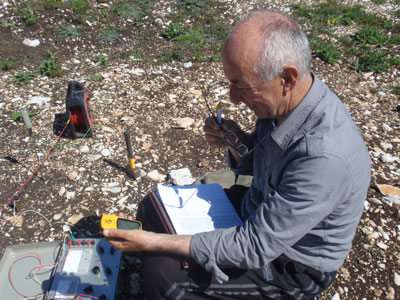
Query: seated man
[[311, 172]]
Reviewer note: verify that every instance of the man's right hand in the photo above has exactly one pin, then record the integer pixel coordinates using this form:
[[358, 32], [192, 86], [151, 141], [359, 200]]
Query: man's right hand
[[215, 132]]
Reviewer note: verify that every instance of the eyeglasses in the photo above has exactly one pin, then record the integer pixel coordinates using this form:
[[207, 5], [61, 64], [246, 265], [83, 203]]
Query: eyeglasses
[[234, 141]]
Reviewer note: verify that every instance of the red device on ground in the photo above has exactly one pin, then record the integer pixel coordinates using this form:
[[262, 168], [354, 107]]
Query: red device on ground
[[79, 111]]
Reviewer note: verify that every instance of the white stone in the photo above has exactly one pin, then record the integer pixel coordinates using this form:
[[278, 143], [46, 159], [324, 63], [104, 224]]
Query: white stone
[[335, 297], [187, 64], [387, 158], [183, 122], [396, 279], [181, 177], [57, 217], [38, 100], [61, 192], [31, 43], [138, 72], [95, 157], [70, 195], [114, 190], [156, 176], [105, 152], [84, 149]]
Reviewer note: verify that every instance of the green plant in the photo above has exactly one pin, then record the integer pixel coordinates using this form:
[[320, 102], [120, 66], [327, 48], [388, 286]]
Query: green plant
[[101, 60], [30, 21], [371, 35], [95, 77], [137, 9], [373, 90], [379, 1], [69, 31], [324, 50], [174, 30], [195, 38], [371, 61], [109, 34], [5, 24], [7, 64], [80, 7], [49, 66], [52, 4], [17, 116], [23, 77], [397, 13]]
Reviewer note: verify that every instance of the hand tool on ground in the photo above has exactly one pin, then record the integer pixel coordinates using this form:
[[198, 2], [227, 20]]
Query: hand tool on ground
[[130, 169]]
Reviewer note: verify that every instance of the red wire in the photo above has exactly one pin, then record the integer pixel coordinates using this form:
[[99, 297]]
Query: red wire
[[39, 267], [34, 172], [12, 265]]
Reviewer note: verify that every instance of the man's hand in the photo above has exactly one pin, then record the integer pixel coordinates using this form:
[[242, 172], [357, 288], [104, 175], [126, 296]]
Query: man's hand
[[215, 134], [140, 240]]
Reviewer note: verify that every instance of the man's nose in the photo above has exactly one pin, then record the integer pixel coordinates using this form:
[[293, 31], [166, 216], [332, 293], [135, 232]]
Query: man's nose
[[234, 95]]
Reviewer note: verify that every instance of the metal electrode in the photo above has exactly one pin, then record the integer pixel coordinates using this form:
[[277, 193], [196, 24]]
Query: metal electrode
[[27, 120]]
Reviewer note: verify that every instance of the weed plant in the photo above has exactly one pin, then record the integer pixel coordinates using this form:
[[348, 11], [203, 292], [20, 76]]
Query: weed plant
[[136, 9], [5, 24], [174, 30], [73, 32], [52, 4], [95, 77], [360, 50], [101, 60], [109, 34], [7, 64], [49, 66], [23, 77], [80, 8], [28, 14]]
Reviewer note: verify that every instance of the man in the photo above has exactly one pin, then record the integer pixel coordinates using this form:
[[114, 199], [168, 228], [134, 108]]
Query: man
[[310, 169]]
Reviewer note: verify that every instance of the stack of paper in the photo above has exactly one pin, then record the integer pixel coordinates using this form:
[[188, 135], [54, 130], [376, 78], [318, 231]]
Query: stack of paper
[[198, 208]]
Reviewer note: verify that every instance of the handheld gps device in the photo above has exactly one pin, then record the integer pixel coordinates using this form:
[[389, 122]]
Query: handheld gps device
[[116, 222]]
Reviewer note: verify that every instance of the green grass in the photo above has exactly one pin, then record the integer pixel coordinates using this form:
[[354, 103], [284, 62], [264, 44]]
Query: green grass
[[109, 34], [101, 60], [4, 23], [133, 9], [371, 35], [7, 64], [52, 4], [95, 77], [49, 66], [360, 51], [71, 31], [23, 77]]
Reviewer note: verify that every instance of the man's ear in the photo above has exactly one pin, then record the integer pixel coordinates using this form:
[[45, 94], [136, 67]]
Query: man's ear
[[289, 77]]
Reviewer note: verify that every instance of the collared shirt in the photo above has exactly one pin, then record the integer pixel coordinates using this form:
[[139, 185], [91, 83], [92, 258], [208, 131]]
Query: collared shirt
[[311, 176]]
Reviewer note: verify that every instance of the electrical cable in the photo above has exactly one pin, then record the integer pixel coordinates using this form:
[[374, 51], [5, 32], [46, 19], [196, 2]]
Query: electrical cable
[[34, 172]]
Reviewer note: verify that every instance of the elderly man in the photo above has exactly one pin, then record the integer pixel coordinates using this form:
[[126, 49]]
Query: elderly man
[[310, 169]]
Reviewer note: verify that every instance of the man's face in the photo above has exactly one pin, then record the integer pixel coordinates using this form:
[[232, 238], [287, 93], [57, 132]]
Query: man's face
[[266, 100]]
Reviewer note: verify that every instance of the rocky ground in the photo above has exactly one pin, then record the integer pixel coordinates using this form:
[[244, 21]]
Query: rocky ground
[[163, 108]]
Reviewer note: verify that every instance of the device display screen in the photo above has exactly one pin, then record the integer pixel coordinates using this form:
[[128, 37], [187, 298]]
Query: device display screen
[[127, 224]]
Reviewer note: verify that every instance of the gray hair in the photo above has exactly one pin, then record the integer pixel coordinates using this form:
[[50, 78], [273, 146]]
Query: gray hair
[[283, 43]]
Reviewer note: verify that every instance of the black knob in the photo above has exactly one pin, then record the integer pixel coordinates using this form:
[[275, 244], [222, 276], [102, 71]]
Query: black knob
[[108, 271], [88, 289], [101, 249], [96, 270], [112, 250], [103, 297]]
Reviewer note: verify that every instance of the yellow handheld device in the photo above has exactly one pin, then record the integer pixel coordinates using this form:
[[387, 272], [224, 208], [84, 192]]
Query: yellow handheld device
[[115, 222]]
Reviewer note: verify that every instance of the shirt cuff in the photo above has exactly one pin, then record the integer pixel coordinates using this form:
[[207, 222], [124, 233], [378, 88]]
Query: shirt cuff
[[204, 256]]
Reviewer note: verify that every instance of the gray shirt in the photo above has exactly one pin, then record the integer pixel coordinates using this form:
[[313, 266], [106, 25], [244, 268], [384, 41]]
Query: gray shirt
[[311, 175]]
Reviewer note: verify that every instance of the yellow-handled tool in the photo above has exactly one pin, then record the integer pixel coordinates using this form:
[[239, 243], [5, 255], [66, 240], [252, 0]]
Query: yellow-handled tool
[[130, 168]]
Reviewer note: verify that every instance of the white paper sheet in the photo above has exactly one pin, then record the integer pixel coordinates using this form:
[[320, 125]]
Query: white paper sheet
[[198, 208]]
